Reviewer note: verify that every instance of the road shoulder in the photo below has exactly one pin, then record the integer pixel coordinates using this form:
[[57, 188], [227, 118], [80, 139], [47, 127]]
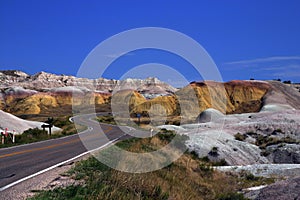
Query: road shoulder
[[45, 181]]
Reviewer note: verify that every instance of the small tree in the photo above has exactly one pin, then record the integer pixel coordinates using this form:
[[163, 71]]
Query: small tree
[[287, 82]]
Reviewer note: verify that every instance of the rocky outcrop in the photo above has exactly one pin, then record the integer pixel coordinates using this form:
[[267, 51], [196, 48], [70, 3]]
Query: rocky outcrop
[[286, 189], [282, 95], [209, 115], [150, 87], [228, 98], [245, 96], [167, 103], [284, 153]]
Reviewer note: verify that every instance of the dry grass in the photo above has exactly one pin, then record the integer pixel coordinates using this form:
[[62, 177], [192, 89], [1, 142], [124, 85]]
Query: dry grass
[[186, 178]]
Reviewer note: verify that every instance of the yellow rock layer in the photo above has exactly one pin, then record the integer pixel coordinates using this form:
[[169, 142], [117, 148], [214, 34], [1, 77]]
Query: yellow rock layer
[[190, 101], [34, 104]]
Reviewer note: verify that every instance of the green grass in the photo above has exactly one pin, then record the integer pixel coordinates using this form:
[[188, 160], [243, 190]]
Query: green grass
[[36, 135], [29, 136], [107, 119], [187, 178]]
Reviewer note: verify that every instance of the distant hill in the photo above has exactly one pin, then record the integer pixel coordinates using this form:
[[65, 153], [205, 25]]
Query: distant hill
[[45, 93]]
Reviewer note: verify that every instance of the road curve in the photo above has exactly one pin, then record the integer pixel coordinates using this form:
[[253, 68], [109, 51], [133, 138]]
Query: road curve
[[22, 161]]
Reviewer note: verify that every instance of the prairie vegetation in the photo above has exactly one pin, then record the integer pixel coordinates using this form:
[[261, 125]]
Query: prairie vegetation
[[187, 178]]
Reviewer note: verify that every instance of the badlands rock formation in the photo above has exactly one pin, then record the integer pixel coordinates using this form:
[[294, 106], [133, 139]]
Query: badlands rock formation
[[271, 135], [228, 98], [151, 87], [43, 92]]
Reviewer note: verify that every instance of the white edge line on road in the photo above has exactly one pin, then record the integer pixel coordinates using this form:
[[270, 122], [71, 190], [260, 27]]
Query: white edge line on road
[[56, 165]]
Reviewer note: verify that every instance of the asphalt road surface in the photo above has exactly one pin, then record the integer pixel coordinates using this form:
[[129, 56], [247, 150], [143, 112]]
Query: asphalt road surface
[[22, 161]]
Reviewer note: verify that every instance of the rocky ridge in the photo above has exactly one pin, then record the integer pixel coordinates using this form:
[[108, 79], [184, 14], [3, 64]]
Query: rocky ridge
[[21, 93]]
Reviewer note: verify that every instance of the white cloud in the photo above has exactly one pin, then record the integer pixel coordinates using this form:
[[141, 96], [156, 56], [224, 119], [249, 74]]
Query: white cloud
[[263, 60], [283, 67], [291, 74], [119, 55]]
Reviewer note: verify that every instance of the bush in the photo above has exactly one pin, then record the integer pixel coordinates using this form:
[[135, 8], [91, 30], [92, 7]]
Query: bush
[[248, 176], [206, 169], [34, 132], [279, 130], [214, 151], [222, 162], [166, 136], [231, 196], [205, 159], [61, 122], [264, 141], [240, 137], [106, 119], [251, 133]]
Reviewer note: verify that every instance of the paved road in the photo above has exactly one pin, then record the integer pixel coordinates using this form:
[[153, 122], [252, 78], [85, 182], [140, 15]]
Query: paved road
[[22, 161]]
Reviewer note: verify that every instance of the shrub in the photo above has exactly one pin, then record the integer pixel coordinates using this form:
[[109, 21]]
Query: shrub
[[222, 162], [251, 133], [240, 137], [231, 196], [206, 169], [214, 151], [34, 132], [166, 136], [279, 130], [248, 176], [205, 159]]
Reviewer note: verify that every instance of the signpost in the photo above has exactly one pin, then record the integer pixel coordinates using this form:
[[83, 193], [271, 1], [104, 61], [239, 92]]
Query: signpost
[[47, 126]]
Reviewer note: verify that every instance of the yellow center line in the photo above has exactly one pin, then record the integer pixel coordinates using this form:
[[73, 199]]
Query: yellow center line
[[48, 147]]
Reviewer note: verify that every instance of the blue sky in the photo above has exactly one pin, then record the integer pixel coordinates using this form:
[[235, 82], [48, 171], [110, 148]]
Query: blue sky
[[246, 39]]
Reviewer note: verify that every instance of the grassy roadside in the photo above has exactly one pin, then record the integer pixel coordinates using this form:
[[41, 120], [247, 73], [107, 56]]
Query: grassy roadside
[[36, 135], [187, 178]]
